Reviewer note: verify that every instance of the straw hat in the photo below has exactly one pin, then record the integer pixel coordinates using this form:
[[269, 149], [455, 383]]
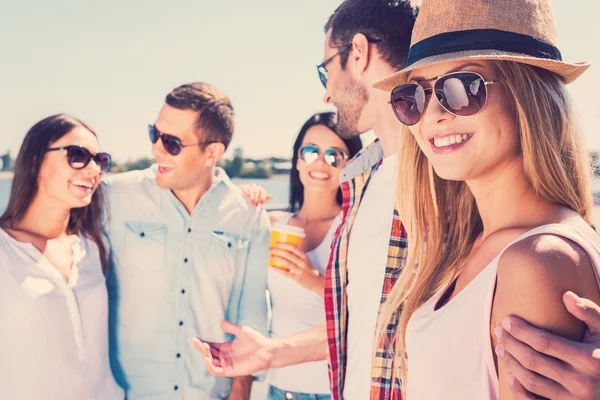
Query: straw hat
[[513, 30]]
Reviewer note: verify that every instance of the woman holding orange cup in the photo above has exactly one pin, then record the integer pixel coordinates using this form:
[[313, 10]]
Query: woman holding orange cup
[[300, 246]]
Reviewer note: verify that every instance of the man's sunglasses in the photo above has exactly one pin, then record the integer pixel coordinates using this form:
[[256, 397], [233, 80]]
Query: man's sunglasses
[[321, 67], [334, 157], [79, 157], [460, 93], [172, 144]]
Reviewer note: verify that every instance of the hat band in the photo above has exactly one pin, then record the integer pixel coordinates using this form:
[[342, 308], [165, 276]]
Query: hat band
[[482, 39]]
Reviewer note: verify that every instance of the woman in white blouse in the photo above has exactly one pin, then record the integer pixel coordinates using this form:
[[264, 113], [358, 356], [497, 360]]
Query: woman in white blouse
[[53, 319]]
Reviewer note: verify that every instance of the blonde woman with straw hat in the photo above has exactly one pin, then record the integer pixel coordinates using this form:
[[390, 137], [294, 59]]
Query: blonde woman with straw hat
[[493, 191]]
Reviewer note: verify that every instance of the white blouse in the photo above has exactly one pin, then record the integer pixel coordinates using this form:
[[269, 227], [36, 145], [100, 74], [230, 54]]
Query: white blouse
[[53, 333]]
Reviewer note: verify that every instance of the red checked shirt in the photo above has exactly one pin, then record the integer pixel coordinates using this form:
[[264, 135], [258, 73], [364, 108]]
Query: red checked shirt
[[355, 180]]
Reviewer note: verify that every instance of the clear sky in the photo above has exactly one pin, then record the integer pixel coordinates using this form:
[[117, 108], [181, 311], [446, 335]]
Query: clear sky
[[111, 63]]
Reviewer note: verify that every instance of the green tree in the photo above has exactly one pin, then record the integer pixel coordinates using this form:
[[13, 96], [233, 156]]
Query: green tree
[[236, 167]]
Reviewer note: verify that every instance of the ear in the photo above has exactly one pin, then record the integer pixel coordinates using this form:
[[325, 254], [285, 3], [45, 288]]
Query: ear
[[214, 152], [360, 53]]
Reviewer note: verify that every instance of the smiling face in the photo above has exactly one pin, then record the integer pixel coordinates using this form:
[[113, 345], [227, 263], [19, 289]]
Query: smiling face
[[320, 176], [466, 148], [184, 170], [58, 181]]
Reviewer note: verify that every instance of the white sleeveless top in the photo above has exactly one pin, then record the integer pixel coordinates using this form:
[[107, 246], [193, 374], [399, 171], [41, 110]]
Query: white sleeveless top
[[450, 349], [295, 310]]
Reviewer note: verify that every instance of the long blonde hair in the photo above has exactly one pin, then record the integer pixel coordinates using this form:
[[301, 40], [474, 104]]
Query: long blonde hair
[[441, 217]]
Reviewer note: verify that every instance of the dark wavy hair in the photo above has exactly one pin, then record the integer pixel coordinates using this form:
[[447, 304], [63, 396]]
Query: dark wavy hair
[[328, 119], [86, 221]]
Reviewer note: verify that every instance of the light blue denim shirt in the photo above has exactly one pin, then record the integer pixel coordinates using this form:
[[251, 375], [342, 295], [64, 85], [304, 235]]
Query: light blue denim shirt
[[176, 276]]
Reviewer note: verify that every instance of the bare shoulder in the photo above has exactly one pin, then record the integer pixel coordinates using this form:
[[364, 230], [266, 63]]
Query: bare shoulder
[[545, 255], [533, 275]]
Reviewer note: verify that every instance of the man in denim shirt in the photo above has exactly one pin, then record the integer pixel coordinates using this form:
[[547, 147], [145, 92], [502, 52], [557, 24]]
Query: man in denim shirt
[[189, 251]]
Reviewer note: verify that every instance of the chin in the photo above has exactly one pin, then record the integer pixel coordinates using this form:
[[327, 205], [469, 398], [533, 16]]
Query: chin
[[80, 203], [162, 183], [451, 174]]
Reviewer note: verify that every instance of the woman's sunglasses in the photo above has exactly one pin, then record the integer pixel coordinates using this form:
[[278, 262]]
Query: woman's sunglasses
[[334, 157], [460, 93], [79, 157], [171, 143]]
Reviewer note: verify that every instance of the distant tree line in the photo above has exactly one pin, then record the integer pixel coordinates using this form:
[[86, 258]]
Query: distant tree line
[[236, 167], [239, 166]]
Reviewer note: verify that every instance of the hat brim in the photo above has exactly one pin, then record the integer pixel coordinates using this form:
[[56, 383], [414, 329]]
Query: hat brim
[[569, 72]]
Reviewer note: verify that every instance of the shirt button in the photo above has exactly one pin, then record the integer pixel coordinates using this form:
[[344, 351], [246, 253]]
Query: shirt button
[[189, 230], [185, 260], [289, 396], [178, 355], [182, 291], [142, 234], [180, 323], [176, 388], [229, 244]]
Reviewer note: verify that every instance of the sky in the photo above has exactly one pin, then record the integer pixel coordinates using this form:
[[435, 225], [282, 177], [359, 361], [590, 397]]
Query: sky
[[111, 63]]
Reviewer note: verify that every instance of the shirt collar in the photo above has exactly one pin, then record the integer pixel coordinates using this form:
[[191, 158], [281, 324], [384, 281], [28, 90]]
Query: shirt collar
[[364, 161]]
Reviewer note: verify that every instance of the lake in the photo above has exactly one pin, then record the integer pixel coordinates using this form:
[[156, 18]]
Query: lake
[[278, 188]]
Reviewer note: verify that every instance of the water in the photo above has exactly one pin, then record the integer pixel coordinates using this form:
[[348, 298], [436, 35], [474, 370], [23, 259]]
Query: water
[[4, 193], [278, 188]]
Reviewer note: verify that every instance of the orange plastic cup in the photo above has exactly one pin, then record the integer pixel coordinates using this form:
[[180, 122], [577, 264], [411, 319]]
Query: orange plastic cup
[[281, 233]]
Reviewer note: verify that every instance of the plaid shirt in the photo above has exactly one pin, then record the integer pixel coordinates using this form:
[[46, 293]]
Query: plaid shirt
[[354, 182]]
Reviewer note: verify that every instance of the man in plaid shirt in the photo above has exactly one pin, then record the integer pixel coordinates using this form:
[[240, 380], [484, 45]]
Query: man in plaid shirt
[[366, 40]]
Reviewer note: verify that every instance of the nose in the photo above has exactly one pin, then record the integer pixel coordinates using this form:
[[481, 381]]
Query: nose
[[92, 169], [434, 113], [158, 150]]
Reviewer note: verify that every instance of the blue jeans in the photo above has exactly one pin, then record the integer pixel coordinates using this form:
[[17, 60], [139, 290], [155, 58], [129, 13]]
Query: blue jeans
[[278, 394]]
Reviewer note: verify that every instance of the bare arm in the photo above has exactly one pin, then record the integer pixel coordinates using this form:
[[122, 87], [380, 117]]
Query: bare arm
[[532, 277], [549, 365], [251, 352]]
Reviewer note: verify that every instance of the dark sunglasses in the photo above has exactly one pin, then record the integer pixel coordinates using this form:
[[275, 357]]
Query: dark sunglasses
[[460, 93], [321, 67], [171, 143], [79, 157], [334, 157]]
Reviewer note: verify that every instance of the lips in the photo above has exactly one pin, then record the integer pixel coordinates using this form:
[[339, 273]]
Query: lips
[[321, 176], [85, 186], [164, 168], [450, 140]]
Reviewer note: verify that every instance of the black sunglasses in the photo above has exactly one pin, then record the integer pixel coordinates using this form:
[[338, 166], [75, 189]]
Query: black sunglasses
[[171, 143], [321, 67], [79, 157], [332, 156], [460, 93]]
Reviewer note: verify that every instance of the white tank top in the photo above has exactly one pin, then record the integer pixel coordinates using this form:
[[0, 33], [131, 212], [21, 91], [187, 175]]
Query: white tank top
[[294, 310], [450, 349]]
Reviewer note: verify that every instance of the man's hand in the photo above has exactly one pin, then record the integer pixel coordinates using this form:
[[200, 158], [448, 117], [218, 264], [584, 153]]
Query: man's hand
[[247, 354], [550, 366]]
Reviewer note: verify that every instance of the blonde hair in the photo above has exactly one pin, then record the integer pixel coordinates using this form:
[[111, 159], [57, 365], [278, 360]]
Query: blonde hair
[[441, 217]]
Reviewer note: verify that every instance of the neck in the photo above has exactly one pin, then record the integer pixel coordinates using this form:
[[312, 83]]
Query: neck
[[318, 205], [505, 199], [386, 127], [189, 197], [45, 218]]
